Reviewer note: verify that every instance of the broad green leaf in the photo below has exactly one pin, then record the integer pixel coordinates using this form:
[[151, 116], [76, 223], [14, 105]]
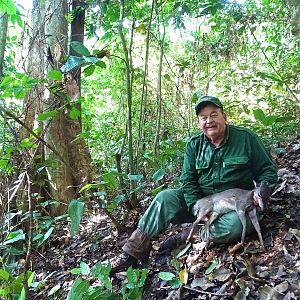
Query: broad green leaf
[[78, 289], [55, 75], [85, 269], [72, 63], [47, 115], [159, 174], [175, 283], [74, 113], [14, 237], [101, 64], [89, 70], [167, 276], [269, 120], [4, 275], [132, 275], [135, 177], [80, 48], [212, 266], [259, 115], [7, 6], [75, 211]]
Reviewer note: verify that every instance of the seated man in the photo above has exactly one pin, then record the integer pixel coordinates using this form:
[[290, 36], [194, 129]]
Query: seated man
[[221, 157]]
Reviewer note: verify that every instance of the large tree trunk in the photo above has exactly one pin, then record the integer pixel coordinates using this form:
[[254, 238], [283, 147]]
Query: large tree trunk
[[3, 34], [129, 78], [72, 169], [59, 170]]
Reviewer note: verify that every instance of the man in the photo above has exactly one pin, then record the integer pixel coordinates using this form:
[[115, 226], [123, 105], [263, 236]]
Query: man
[[221, 157]]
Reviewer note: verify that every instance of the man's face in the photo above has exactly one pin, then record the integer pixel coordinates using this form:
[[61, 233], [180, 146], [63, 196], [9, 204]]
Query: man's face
[[212, 121]]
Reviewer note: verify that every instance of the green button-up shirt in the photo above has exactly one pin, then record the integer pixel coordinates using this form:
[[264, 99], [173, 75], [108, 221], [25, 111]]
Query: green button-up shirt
[[240, 159]]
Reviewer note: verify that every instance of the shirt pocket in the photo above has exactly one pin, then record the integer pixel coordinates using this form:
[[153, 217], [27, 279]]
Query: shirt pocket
[[201, 166], [235, 166]]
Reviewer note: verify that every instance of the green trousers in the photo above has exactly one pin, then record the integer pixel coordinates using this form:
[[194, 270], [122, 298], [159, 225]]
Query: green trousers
[[169, 207]]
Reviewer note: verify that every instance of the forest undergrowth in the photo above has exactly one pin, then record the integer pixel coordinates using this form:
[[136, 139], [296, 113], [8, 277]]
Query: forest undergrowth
[[222, 272]]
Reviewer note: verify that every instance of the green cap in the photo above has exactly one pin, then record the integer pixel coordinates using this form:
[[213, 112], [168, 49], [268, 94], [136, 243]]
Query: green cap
[[207, 100]]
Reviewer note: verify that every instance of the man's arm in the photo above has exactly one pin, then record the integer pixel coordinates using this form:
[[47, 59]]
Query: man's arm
[[263, 168]]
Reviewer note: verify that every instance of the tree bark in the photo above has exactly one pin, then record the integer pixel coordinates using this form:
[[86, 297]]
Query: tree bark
[[3, 34], [159, 96], [59, 173], [128, 75]]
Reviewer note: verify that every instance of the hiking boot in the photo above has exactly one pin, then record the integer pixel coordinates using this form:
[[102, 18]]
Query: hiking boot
[[122, 263]]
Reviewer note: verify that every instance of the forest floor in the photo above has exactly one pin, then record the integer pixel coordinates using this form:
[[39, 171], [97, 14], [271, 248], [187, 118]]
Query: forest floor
[[222, 272]]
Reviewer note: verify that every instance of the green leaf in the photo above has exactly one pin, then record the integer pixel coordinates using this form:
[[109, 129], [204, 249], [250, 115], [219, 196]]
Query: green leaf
[[55, 75], [269, 120], [89, 70], [4, 275], [175, 283], [135, 177], [47, 234], [75, 211], [183, 251], [78, 289], [14, 237], [72, 63], [85, 269], [159, 174], [7, 6], [74, 113], [80, 48], [212, 266], [167, 276], [259, 115], [101, 64], [47, 115]]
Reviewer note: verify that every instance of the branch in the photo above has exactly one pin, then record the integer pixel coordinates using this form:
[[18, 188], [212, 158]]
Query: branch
[[11, 115]]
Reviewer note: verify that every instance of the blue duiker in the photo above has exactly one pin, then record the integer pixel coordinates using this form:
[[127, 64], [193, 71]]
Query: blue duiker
[[238, 200]]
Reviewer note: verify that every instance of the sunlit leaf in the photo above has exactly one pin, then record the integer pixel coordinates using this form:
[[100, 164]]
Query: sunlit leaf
[[212, 266], [74, 113], [47, 115], [167, 276], [259, 114], [55, 75], [14, 237], [183, 276]]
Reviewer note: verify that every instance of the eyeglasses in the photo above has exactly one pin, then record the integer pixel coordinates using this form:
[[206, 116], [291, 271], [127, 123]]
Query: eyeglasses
[[213, 116]]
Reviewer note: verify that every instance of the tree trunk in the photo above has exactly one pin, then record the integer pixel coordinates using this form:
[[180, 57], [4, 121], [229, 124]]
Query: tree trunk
[[144, 89], [129, 77], [69, 174], [59, 172], [159, 96], [3, 34]]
